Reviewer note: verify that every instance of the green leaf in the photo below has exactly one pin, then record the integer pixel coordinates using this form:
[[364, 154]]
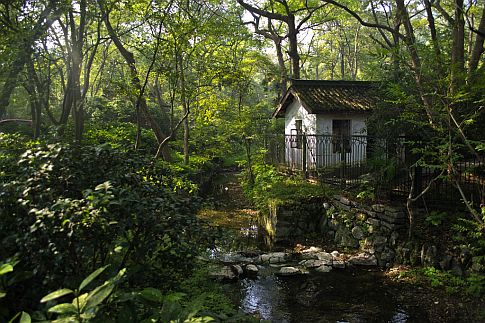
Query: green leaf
[[80, 301], [65, 308], [5, 268], [58, 293], [152, 294], [70, 319], [91, 277], [2, 294], [98, 295], [25, 318], [103, 186]]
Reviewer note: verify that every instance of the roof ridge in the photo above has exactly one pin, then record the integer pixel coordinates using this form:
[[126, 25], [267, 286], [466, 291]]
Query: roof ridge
[[331, 82]]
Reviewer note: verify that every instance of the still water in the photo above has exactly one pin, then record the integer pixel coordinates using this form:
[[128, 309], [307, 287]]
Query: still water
[[345, 295]]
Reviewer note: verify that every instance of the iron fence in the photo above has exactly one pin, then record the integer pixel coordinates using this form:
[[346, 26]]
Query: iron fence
[[381, 162]]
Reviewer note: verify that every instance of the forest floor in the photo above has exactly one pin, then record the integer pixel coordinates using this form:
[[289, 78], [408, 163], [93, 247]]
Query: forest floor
[[231, 209]]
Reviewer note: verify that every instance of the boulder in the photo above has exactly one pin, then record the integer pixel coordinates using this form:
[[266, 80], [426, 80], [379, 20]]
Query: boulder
[[325, 257], [324, 269], [314, 263], [386, 257], [357, 233], [335, 254], [237, 269], [379, 208], [363, 259], [273, 257], [289, 271], [251, 270], [338, 263]]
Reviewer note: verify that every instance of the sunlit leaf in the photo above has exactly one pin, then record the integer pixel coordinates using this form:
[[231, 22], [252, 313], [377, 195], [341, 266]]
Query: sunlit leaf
[[91, 277], [98, 295], [65, 308], [5, 268], [25, 318], [58, 293]]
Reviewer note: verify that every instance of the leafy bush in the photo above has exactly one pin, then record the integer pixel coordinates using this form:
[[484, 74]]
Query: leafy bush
[[271, 185], [66, 210]]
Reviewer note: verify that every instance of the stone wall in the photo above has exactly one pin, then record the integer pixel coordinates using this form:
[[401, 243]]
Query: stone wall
[[374, 229]]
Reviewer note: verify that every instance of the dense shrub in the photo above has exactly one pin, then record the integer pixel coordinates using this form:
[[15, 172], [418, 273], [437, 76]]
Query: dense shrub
[[269, 184], [67, 210]]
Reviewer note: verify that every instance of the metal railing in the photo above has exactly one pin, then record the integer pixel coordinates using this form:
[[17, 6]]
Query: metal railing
[[350, 160]]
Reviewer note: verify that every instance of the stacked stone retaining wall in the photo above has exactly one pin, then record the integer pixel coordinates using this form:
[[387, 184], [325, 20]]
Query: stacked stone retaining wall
[[374, 229]]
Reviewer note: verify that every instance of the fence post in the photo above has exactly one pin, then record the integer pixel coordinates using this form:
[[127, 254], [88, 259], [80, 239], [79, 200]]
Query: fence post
[[304, 156], [342, 160]]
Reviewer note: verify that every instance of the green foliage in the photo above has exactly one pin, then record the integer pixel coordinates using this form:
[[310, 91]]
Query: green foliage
[[68, 209], [473, 285], [271, 185], [84, 306], [470, 235], [436, 218]]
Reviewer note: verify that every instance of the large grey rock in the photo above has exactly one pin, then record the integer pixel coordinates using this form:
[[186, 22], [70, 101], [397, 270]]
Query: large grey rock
[[344, 200], [344, 238], [273, 257], [324, 269], [325, 257], [314, 263], [338, 263], [379, 242], [386, 257], [363, 259], [379, 208], [373, 222], [237, 269], [289, 271], [251, 270], [357, 233]]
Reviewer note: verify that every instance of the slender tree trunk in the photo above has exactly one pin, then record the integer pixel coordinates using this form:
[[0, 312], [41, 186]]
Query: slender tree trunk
[[282, 66], [135, 81], [293, 44], [12, 77], [45, 20], [185, 104], [409, 39], [458, 48], [478, 49]]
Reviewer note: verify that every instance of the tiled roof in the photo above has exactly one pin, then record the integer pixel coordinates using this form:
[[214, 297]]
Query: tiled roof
[[330, 96]]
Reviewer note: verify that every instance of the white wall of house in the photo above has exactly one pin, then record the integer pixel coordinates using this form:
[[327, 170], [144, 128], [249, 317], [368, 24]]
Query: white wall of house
[[320, 149], [295, 111], [357, 121]]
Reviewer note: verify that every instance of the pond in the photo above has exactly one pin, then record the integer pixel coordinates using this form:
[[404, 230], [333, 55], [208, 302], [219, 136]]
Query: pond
[[346, 295]]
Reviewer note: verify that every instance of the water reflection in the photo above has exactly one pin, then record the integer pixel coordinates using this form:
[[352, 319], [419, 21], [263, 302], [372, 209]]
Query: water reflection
[[332, 297]]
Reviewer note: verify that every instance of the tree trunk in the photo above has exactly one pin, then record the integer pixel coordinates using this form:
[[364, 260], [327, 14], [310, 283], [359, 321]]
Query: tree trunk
[[185, 104], [293, 50], [458, 48], [135, 80], [410, 41], [478, 49], [281, 64], [45, 20]]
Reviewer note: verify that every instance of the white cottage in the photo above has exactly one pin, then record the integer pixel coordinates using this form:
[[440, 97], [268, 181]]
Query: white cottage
[[325, 122]]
